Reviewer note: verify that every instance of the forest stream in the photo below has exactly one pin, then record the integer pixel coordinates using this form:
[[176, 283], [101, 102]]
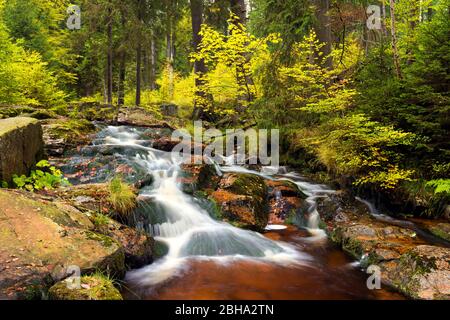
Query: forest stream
[[210, 259]]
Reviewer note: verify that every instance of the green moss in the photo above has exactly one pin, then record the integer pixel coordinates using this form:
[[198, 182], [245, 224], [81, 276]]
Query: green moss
[[93, 287], [7, 125], [104, 240], [353, 247], [254, 187], [440, 232], [99, 220], [9, 112], [160, 249], [412, 267], [42, 114]]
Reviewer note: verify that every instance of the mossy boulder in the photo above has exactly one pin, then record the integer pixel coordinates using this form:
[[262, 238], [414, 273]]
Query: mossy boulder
[[286, 201], [14, 111], [243, 200], [198, 177], [63, 134], [441, 230], [39, 240], [407, 263], [21, 146], [93, 287], [421, 273], [92, 200], [141, 117]]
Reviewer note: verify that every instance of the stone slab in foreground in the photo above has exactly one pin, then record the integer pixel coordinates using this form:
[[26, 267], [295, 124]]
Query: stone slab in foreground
[[40, 240]]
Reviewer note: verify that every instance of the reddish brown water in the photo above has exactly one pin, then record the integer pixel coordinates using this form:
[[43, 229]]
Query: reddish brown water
[[330, 276]]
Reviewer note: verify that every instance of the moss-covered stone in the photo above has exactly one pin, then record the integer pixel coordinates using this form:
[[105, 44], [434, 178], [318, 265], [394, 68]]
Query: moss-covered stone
[[243, 199], [93, 287], [64, 133], [21, 146], [421, 273], [14, 111], [39, 240], [441, 230]]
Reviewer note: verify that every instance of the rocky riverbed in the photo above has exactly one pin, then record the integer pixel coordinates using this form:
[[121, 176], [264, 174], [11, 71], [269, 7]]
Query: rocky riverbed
[[43, 234]]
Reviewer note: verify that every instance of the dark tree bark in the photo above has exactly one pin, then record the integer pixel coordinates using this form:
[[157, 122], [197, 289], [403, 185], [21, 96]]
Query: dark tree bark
[[121, 85], [398, 71], [170, 43], [122, 70], [138, 74], [109, 71], [239, 8], [199, 65], [139, 58], [153, 61], [323, 30]]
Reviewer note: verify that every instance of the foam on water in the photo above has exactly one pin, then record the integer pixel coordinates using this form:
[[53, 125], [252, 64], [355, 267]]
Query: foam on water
[[188, 230]]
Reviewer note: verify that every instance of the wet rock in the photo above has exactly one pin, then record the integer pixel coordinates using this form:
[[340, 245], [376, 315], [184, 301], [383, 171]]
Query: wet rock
[[285, 200], [243, 200], [198, 177], [39, 241], [92, 200], [421, 273], [63, 134], [138, 246], [168, 143], [21, 146], [94, 287], [169, 110], [441, 230], [141, 117], [407, 263]]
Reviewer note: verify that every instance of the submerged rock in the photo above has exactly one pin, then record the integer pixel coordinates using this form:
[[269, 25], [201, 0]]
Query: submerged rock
[[21, 146], [39, 241], [94, 287]]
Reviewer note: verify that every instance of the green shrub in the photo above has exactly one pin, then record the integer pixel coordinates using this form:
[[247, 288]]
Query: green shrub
[[44, 177]]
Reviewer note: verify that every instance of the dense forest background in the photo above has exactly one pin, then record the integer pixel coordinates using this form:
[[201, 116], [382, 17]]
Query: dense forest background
[[366, 108]]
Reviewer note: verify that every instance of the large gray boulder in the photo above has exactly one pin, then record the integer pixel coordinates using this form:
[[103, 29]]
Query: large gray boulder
[[21, 146]]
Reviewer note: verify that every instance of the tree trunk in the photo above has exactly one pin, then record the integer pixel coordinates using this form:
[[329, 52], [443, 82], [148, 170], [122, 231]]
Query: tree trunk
[[121, 85], [199, 65], [138, 74], [170, 54], [323, 31], [122, 70], [109, 72], [153, 61], [239, 8], [398, 71]]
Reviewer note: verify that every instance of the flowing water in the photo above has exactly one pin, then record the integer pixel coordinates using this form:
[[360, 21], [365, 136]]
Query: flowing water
[[207, 258]]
